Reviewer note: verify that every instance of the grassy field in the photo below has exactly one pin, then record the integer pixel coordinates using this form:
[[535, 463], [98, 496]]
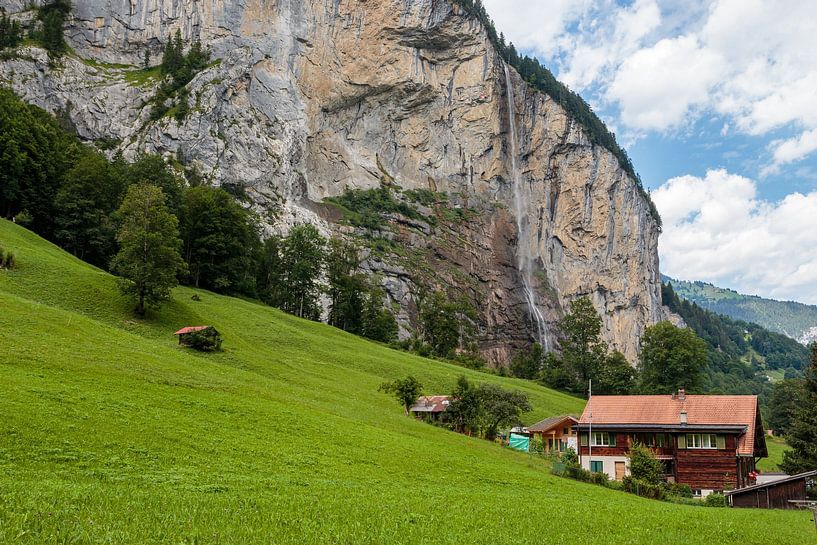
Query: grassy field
[[111, 433], [777, 446]]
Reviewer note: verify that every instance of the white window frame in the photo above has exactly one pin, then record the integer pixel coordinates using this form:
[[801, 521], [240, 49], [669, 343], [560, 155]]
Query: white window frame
[[706, 441], [597, 434]]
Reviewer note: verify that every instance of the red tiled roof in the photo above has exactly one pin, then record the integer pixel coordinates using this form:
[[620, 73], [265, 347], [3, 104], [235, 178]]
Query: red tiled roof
[[665, 410], [192, 329], [431, 404], [553, 422]]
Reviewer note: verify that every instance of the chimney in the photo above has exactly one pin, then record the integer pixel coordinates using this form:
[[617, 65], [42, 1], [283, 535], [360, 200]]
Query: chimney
[[683, 418], [682, 395]]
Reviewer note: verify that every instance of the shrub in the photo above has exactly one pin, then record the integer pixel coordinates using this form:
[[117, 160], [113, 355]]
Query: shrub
[[644, 466], [6, 259], [206, 340], [643, 488], [599, 478], [680, 490], [715, 500], [569, 458]]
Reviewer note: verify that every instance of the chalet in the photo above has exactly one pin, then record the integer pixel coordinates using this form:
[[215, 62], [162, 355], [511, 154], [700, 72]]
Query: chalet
[[557, 433], [709, 442], [430, 407]]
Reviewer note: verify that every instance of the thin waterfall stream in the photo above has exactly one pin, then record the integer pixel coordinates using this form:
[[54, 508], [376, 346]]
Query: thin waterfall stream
[[524, 259]]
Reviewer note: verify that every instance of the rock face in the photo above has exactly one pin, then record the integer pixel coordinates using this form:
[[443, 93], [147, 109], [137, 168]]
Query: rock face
[[311, 98]]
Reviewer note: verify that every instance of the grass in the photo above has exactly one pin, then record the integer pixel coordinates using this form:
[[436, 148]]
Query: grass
[[777, 446], [111, 433], [143, 76]]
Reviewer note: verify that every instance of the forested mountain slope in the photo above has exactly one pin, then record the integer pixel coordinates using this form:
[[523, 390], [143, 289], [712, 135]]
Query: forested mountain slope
[[796, 320]]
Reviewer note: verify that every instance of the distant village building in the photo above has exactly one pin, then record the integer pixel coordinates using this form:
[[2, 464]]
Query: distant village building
[[557, 433], [709, 442], [430, 407]]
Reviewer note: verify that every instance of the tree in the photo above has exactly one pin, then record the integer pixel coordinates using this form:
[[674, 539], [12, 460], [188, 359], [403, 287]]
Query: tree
[[446, 324], [220, 241], [671, 358], [148, 260], [528, 364], [617, 376], [152, 169], [501, 407], [379, 323], [271, 275], [10, 32], [802, 436], [583, 351], [53, 16], [783, 404], [464, 413], [35, 154], [304, 251], [644, 466], [406, 390], [346, 286], [91, 192]]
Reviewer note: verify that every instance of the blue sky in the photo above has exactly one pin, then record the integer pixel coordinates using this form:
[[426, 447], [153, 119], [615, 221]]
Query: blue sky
[[716, 103]]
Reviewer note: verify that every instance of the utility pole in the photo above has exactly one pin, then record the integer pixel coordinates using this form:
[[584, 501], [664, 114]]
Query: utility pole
[[590, 431]]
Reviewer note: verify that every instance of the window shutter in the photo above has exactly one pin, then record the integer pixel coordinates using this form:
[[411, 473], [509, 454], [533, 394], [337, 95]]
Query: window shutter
[[682, 441], [612, 439], [584, 440], [721, 439]]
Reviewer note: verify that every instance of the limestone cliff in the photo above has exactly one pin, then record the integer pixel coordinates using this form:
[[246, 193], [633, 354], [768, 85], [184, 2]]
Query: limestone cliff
[[313, 97]]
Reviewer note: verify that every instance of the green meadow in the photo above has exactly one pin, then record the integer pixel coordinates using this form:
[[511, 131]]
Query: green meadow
[[110, 433]]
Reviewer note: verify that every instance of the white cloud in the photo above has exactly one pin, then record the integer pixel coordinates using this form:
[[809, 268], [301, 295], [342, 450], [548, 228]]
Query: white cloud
[[717, 229], [656, 87], [796, 148], [666, 64]]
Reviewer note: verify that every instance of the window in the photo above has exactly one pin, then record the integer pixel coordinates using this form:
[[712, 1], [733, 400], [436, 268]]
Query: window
[[600, 439], [597, 466], [565, 431], [702, 441]]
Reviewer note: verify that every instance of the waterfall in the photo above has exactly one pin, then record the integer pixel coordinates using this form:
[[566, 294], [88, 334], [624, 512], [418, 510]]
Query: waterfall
[[524, 259]]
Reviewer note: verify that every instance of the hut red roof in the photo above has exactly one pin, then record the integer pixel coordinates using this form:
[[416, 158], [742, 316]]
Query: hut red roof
[[192, 329]]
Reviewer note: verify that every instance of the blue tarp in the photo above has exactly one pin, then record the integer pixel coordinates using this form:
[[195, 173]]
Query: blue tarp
[[519, 442]]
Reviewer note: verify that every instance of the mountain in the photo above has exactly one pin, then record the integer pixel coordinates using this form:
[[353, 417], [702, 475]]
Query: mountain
[[502, 197], [111, 432], [742, 357], [796, 320]]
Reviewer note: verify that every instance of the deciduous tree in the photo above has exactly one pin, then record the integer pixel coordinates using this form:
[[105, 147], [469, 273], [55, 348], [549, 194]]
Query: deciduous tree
[[406, 390], [671, 358], [148, 261]]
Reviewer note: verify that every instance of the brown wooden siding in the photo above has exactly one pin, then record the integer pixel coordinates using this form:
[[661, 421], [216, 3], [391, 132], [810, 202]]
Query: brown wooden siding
[[772, 496], [707, 469]]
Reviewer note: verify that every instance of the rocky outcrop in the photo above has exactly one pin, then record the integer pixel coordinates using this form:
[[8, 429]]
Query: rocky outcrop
[[310, 98]]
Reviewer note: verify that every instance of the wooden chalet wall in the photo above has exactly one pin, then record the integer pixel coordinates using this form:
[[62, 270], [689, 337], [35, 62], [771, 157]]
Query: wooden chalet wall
[[772, 496]]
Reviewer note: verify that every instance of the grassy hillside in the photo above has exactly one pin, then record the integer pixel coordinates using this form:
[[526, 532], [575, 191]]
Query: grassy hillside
[[797, 320], [111, 433], [777, 446]]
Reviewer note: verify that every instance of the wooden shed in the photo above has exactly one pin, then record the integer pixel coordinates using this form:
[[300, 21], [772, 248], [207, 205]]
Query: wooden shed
[[780, 494]]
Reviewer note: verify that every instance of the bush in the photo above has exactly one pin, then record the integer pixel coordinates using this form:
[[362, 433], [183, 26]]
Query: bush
[[715, 500], [644, 466], [599, 478], [206, 340], [6, 259], [643, 488], [680, 490]]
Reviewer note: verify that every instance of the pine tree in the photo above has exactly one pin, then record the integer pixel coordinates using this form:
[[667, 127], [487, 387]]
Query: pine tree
[[148, 261], [802, 435]]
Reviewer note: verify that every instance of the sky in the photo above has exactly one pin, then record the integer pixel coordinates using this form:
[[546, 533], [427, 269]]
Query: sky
[[716, 104]]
